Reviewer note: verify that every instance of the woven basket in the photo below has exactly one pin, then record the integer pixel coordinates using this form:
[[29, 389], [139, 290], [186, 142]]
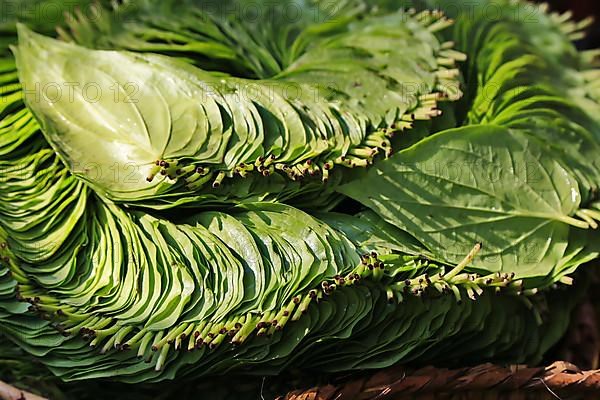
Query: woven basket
[[560, 380]]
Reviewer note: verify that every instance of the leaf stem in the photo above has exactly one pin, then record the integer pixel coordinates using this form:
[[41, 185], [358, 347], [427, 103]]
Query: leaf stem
[[466, 261], [587, 218], [574, 222]]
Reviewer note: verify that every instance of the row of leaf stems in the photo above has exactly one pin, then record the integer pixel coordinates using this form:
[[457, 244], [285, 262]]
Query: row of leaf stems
[[107, 335], [376, 143]]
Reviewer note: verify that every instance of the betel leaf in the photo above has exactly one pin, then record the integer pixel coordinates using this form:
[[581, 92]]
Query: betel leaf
[[368, 231], [478, 184], [133, 114], [137, 126]]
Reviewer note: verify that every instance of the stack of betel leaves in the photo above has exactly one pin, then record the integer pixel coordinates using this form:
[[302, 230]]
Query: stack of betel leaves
[[193, 189]]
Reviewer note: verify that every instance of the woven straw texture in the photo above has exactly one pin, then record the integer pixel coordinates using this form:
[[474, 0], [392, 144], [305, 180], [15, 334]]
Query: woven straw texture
[[560, 380]]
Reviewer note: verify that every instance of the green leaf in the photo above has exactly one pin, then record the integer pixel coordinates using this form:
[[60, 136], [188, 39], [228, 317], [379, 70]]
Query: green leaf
[[478, 184]]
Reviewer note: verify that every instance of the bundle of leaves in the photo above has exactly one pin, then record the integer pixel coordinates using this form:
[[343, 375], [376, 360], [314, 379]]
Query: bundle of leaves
[[193, 189]]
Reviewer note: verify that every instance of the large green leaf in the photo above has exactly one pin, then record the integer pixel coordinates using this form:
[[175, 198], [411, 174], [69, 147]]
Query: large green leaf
[[478, 184]]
